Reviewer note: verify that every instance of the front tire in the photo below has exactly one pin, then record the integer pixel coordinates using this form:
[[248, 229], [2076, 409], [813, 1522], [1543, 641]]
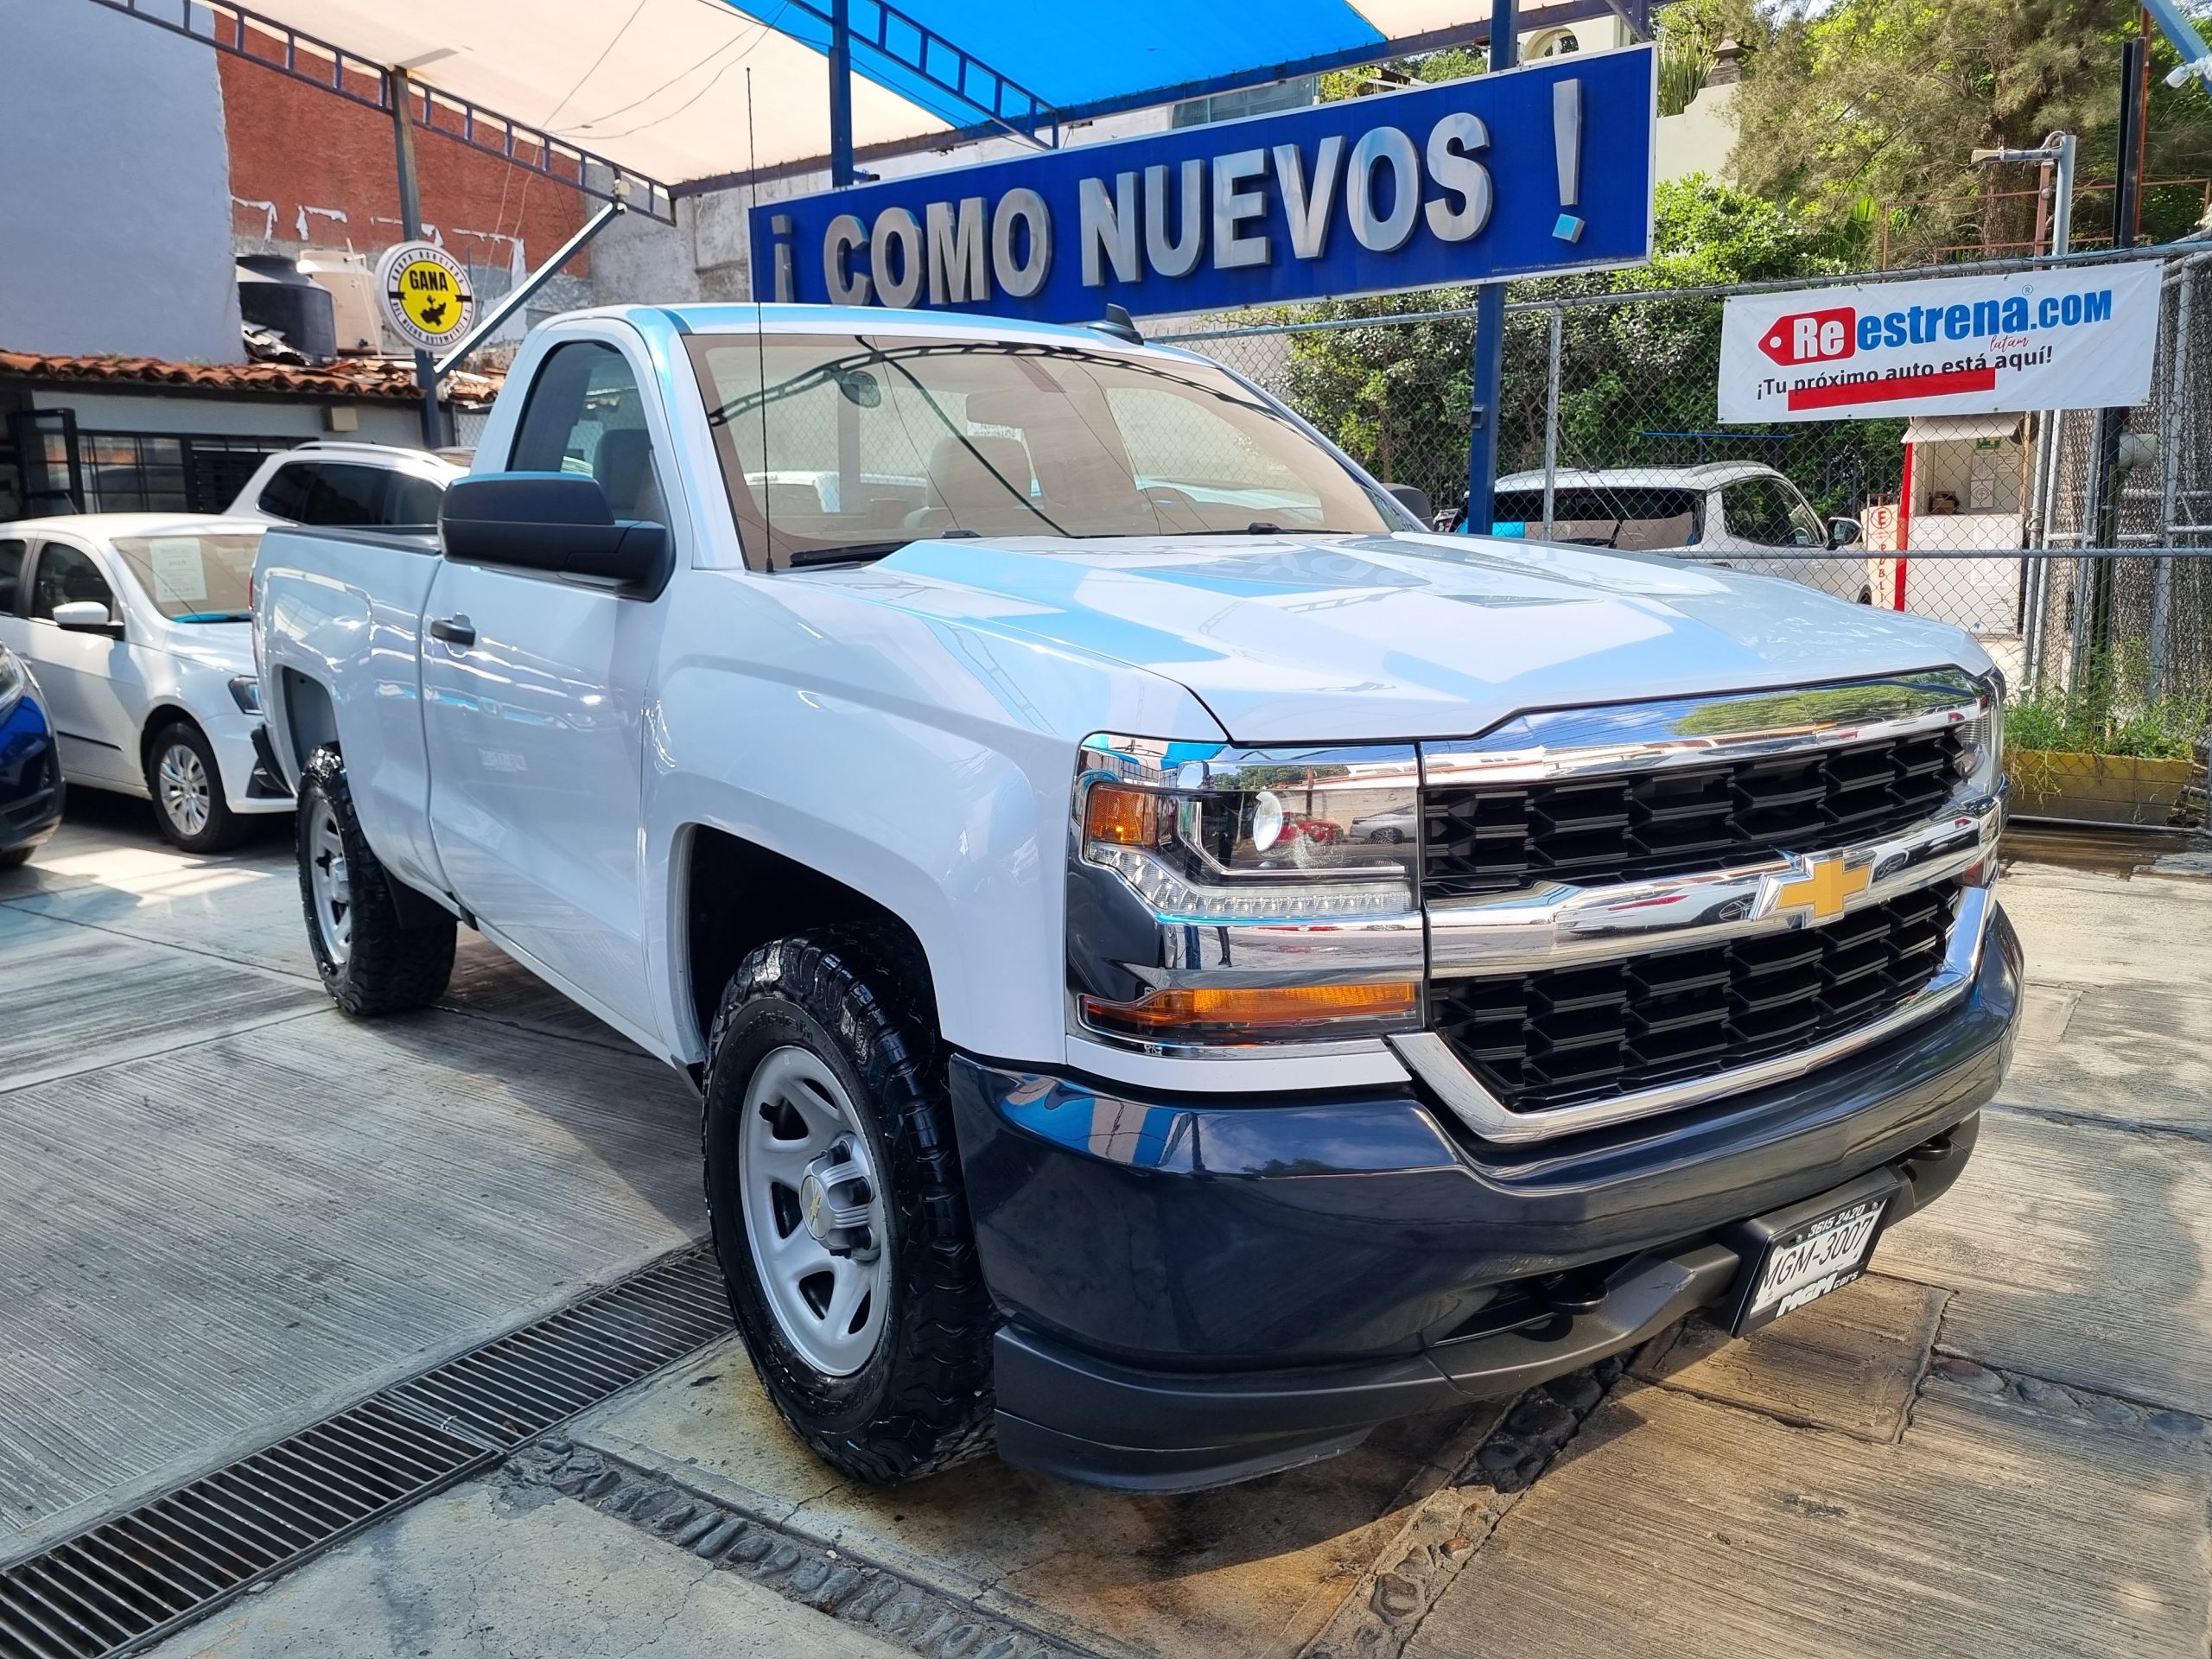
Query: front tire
[[839, 1216], [375, 956], [188, 790]]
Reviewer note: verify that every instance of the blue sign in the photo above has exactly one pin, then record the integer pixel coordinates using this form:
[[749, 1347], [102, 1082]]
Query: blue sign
[[1543, 169]]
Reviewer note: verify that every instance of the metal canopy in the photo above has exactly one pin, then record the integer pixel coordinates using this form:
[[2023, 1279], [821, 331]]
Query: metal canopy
[[655, 91]]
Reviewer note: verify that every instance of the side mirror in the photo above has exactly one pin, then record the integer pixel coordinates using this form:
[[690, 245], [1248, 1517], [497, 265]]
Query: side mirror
[[1843, 532], [83, 616], [1413, 499], [554, 522]]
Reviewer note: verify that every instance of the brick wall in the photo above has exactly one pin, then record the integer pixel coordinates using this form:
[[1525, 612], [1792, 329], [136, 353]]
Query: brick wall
[[308, 166]]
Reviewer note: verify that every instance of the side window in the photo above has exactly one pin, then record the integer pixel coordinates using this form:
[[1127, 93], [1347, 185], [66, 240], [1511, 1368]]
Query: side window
[[12, 573], [585, 415], [412, 500], [285, 495], [1763, 512], [327, 493], [66, 576]]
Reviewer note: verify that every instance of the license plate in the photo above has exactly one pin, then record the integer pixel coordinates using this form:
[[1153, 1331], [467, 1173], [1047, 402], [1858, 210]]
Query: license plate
[[1807, 1257]]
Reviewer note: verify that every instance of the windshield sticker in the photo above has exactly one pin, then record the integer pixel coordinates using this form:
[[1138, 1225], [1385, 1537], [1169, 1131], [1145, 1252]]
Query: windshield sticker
[[180, 577]]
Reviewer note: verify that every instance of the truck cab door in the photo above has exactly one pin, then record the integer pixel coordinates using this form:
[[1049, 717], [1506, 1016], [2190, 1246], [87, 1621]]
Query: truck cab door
[[534, 700]]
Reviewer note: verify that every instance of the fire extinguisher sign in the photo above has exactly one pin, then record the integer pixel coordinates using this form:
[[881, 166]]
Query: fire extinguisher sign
[[2077, 339]]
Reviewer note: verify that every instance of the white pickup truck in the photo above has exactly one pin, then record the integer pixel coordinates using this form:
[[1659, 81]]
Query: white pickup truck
[[972, 751]]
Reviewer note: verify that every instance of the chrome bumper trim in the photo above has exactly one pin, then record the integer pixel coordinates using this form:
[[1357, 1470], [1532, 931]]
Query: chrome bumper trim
[[1431, 1059], [1555, 745], [1560, 925]]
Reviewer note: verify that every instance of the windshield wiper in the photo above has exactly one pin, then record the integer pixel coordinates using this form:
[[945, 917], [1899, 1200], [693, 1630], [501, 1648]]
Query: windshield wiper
[[214, 616], [856, 553]]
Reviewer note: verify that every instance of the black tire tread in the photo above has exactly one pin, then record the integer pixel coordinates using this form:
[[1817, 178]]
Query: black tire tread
[[861, 983], [391, 967]]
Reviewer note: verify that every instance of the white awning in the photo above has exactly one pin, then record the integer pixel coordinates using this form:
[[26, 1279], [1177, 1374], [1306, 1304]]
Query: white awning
[[660, 86], [1947, 429]]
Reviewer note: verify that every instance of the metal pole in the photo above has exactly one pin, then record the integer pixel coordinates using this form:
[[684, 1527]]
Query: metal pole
[[841, 94], [2171, 437], [2112, 422], [2174, 23], [411, 229], [2050, 424], [1551, 420], [518, 296], [1489, 330]]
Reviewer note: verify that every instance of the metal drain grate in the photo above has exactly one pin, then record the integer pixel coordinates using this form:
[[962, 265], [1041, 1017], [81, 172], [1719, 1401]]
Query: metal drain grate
[[512, 1389], [125, 1582]]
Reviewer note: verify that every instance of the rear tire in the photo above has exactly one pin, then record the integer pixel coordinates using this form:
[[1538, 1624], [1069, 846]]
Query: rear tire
[[375, 955], [188, 790], [14, 856], [821, 1039]]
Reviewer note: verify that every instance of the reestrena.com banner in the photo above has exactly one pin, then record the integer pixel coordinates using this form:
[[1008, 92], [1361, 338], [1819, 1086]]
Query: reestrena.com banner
[[1543, 169], [2077, 339]]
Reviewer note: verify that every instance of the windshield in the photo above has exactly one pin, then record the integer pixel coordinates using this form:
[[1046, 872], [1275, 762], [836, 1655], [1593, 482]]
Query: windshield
[[1635, 518], [858, 447], [194, 578]]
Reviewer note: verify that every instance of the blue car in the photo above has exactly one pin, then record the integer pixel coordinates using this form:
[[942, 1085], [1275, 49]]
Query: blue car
[[31, 769]]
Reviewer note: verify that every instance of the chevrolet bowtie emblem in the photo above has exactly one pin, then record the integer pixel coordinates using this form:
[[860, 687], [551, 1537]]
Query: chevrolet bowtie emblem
[[1824, 889]]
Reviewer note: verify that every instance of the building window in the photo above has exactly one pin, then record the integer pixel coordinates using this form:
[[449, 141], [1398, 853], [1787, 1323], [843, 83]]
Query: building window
[[147, 472]]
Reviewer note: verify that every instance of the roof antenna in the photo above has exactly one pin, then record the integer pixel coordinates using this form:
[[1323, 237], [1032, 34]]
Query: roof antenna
[[760, 331], [1116, 322]]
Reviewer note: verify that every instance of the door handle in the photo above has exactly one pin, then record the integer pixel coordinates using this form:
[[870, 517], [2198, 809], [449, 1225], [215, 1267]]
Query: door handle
[[456, 631]]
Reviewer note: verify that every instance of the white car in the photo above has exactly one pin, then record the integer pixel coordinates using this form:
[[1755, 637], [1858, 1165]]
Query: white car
[[1716, 511], [360, 484], [138, 625]]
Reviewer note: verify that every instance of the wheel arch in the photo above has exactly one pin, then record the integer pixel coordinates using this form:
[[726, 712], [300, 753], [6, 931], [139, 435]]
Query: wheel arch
[[736, 894], [310, 717], [159, 716]]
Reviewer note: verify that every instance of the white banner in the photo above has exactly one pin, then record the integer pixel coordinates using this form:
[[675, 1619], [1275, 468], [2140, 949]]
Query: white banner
[[2079, 339]]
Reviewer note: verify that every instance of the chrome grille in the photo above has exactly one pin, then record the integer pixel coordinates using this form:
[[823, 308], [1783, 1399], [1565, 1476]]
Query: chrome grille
[[1537, 1040], [1489, 837]]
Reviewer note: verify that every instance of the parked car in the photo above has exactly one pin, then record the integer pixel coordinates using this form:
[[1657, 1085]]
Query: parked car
[[335, 483], [1392, 823], [1056, 1094], [31, 769], [137, 625], [1738, 513]]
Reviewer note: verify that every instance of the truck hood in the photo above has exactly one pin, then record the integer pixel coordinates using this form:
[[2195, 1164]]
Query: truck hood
[[1306, 640]]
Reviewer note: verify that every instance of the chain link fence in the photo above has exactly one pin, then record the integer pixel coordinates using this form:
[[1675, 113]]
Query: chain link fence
[[2077, 547]]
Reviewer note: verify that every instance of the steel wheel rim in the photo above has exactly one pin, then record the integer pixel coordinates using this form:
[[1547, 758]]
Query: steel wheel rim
[[814, 1216], [185, 796], [331, 883]]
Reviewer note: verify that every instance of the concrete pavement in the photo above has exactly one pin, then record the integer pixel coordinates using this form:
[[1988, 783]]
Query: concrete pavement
[[251, 1210]]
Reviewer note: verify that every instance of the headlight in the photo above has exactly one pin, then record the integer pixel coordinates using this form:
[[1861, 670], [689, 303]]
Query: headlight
[[245, 691], [1221, 896], [13, 680]]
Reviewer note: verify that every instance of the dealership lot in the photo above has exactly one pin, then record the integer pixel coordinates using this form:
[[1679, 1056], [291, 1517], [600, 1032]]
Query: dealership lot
[[261, 1212]]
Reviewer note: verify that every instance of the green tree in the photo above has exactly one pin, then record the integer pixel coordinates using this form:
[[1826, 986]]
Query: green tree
[[1863, 115], [1394, 394], [1453, 63]]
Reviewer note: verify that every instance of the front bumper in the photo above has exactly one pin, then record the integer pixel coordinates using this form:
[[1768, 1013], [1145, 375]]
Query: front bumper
[[248, 784], [1197, 1291], [30, 777]]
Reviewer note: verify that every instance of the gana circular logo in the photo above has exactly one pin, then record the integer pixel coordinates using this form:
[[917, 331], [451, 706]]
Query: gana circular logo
[[426, 293]]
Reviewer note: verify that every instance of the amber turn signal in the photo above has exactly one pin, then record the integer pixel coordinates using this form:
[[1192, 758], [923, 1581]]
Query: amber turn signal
[[1120, 817], [1225, 1011]]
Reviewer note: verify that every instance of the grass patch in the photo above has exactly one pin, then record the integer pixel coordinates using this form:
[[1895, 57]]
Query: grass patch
[[2092, 720]]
